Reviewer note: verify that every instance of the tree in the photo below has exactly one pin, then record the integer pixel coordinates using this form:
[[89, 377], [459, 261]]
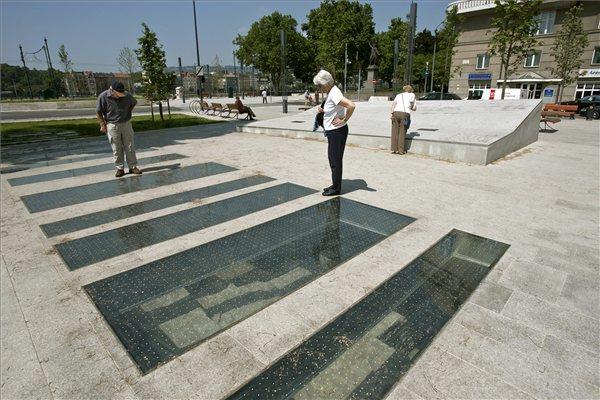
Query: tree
[[446, 39], [12, 79], [64, 58], [335, 24], [67, 63], [568, 47], [516, 23], [261, 47], [128, 62], [397, 30], [424, 42], [158, 83]]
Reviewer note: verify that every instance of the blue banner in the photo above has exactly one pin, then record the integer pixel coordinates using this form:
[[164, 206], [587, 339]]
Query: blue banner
[[480, 77]]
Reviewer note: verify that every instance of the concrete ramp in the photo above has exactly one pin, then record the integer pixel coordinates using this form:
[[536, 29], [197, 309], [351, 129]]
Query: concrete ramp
[[469, 131]]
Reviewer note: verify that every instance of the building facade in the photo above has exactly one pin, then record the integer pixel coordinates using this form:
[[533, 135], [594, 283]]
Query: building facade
[[474, 69]]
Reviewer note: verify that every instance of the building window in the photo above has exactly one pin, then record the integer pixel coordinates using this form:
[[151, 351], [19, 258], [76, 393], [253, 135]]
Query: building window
[[476, 89], [596, 56], [587, 89], [545, 23], [533, 59], [483, 61]]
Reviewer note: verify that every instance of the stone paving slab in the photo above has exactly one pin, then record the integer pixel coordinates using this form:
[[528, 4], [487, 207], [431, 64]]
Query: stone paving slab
[[517, 337]]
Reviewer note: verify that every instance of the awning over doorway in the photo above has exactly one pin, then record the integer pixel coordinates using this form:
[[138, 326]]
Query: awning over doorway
[[529, 76]]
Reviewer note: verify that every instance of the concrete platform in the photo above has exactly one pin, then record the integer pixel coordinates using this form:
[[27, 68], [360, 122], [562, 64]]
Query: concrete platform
[[473, 132]]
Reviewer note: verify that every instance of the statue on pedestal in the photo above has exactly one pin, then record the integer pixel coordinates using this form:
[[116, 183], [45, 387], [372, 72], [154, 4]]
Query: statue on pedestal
[[372, 76], [374, 56]]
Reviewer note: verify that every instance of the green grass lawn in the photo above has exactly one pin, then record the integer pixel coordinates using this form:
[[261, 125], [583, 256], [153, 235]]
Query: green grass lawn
[[33, 131]]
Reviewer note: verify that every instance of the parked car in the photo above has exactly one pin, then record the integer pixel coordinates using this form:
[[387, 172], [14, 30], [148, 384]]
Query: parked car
[[582, 104], [436, 96]]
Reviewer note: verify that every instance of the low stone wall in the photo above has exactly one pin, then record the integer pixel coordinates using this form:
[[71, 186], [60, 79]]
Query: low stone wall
[[55, 105]]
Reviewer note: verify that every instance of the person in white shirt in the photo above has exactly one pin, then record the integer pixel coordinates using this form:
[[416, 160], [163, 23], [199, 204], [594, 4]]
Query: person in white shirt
[[337, 111], [402, 106], [264, 95]]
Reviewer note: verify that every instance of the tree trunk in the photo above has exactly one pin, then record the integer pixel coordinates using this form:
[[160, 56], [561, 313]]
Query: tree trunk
[[562, 90], [558, 94], [505, 79], [169, 108], [160, 110], [152, 110]]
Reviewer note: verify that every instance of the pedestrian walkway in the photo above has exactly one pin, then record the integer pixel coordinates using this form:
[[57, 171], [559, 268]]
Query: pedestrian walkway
[[229, 274]]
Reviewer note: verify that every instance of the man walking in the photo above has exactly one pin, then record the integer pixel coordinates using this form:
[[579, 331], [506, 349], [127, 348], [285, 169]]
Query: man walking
[[114, 114], [264, 95]]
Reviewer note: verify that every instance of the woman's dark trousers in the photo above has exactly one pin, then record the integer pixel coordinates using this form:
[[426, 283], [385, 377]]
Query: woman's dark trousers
[[336, 142]]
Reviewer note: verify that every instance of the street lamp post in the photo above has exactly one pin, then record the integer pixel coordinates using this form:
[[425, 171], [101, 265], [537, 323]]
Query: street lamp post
[[446, 68], [283, 88], [395, 78], [434, 49], [345, 68], [198, 79], [235, 75]]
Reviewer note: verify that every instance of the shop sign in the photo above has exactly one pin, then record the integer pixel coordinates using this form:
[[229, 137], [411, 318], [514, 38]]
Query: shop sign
[[589, 73], [480, 77]]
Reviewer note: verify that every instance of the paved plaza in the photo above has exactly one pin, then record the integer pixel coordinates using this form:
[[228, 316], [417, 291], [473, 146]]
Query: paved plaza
[[82, 250]]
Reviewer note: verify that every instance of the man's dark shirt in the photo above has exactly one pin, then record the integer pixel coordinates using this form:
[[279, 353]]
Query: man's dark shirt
[[115, 110]]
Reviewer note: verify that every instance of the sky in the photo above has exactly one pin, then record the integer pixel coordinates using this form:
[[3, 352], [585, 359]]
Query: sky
[[94, 32]]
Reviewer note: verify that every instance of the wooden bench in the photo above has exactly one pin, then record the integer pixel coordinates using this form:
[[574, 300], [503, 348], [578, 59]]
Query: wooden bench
[[206, 107], [559, 110], [233, 108], [217, 107]]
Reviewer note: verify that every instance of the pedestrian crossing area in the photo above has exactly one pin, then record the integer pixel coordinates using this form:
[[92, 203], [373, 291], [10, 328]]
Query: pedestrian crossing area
[[168, 302]]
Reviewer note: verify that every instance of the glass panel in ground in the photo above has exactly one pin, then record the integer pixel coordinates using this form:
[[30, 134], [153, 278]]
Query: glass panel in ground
[[50, 176], [40, 162], [162, 309], [364, 352], [91, 249], [95, 191], [114, 214]]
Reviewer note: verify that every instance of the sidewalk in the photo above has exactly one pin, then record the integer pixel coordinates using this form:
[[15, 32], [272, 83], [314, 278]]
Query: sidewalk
[[530, 330]]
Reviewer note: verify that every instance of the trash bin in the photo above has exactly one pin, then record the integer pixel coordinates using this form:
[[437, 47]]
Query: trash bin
[[230, 92]]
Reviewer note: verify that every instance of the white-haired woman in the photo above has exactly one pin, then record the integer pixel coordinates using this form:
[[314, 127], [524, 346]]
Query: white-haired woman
[[402, 105], [337, 111]]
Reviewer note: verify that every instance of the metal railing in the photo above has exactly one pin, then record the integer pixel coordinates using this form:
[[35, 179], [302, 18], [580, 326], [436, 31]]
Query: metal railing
[[464, 6], [196, 107]]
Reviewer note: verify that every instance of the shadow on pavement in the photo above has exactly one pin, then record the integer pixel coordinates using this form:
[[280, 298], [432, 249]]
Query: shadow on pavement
[[352, 185], [161, 167], [47, 151]]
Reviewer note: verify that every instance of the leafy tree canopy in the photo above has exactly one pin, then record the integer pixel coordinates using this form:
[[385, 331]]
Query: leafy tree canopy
[[335, 24], [515, 24], [397, 30], [568, 48], [158, 84], [261, 47], [424, 41]]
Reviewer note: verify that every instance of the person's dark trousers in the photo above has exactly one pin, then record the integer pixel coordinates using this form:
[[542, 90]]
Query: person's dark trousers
[[264, 100], [336, 142]]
